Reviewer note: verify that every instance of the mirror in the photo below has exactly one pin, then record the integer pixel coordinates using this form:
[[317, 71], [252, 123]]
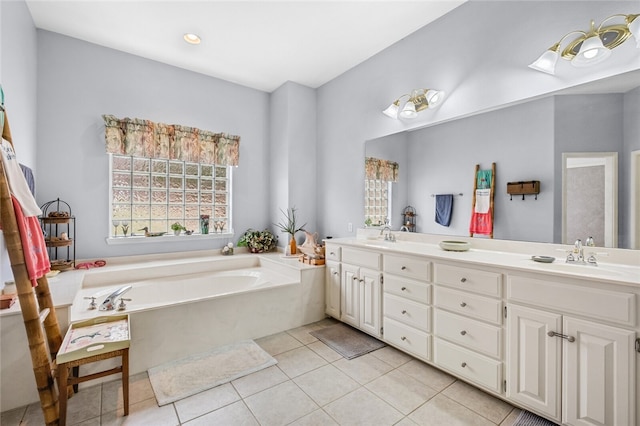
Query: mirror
[[527, 141]]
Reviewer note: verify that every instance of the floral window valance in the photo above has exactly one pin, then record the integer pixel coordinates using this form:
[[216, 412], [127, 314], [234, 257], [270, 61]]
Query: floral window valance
[[144, 138], [378, 169]]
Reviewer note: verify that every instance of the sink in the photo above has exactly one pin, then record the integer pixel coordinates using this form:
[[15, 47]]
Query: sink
[[603, 270]]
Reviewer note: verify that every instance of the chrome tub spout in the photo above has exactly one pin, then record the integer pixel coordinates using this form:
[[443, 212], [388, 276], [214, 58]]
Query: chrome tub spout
[[109, 303]]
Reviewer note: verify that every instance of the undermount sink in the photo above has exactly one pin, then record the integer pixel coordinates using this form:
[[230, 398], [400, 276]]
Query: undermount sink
[[601, 270]]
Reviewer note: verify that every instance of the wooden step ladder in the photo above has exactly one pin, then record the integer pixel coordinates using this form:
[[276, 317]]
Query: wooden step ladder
[[38, 312]]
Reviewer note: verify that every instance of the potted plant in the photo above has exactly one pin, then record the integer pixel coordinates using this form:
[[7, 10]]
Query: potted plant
[[177, 228], [257, 241], [289, 226]]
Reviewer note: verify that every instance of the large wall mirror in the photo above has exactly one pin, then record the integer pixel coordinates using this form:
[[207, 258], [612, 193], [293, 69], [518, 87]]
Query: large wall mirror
[[534, 140]]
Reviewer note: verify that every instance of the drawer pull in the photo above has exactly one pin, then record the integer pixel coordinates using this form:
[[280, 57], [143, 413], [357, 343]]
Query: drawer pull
[[463, 332], [404, 312], [463, 365], [571, 339], [403, 338], [403, 268], [355, 278], [463, 280], [335, 272], [361, 280], [463, 304], [403, 289], [332, 253]]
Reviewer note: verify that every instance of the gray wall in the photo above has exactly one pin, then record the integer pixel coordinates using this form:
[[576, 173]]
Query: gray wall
[[79, 81], [631, 143], [18, 58]]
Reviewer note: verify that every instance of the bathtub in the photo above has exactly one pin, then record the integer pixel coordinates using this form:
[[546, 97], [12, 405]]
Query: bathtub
[[187, 306]]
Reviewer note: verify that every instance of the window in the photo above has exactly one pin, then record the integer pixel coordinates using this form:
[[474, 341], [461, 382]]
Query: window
[[155, 193], [377, 201]]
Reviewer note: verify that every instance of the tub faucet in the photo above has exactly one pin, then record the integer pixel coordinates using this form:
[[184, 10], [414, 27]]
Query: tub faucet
[[109, 303]]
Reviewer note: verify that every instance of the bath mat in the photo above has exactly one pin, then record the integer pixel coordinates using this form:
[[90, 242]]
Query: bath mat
[[347, 341], [529, 419], [188, 376]]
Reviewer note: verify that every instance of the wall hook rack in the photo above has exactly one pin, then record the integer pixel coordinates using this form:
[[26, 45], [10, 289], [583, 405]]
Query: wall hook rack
[[523, 188]]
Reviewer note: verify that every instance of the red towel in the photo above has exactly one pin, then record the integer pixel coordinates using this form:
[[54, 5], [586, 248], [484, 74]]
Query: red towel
[[481, 223], [36, 257]]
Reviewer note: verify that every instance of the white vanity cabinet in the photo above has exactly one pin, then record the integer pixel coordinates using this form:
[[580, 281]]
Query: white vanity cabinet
[[332, 288], [468, 323], [360, 290], [406, 304], [576, 370]]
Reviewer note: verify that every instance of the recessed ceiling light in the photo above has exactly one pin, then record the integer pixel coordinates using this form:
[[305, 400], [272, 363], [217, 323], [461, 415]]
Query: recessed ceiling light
[[191, 38]]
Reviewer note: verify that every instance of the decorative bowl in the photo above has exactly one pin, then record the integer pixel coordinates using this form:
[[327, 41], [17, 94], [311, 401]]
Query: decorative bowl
[[455, 245]]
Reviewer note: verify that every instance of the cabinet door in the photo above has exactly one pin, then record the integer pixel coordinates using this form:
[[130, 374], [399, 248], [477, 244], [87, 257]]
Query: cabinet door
[[370, 295], [350, 295], [598, 374], [332, 289], [533, 359]]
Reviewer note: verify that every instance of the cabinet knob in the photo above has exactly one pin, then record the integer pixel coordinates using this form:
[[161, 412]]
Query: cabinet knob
[[403, 289], [362, 280], [463, 365], [332, 253], [463, 332], [404, 312], [463, 304], [355, 278], [403, 268], [335, 272], [403, 338], [463, 280]]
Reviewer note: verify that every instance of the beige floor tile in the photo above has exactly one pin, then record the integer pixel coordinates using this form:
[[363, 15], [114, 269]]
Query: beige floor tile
[[392, 356], [324, 351], [406, 422], [96, 421], [363, 369], [482, 403], [302, 334], [259, 381], [327, 322], [317, 418], [511, 418], [280, 405], [401, 391], [278, 343], [139, 390], [33, 415], [143, 413], [326, 384], [428, 375], [205, 402], [12, 417], [299, 361], [84, 405], [236, 414], [362, 407], [441, 410]]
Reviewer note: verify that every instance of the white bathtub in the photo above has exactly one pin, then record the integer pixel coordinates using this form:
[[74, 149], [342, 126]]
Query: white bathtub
[[188, 306]]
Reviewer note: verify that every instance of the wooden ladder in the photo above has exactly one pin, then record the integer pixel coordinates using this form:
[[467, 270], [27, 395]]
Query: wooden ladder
[[493, 190], [38, 311]]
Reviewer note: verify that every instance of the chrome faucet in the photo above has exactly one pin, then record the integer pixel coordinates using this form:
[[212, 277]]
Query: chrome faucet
[[577, 254], [109, 303], [386, 232], [404, 228]]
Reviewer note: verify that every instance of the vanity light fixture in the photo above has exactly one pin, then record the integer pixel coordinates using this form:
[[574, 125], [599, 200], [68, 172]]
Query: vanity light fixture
[[191, 38], [418, 100], [592, 47]]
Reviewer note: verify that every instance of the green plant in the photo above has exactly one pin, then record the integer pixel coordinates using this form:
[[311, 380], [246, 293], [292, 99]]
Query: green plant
[[258, 241], [177, 227], [288, 225]]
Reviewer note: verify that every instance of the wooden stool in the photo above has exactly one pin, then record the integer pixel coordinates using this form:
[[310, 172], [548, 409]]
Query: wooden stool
[[89, 341]]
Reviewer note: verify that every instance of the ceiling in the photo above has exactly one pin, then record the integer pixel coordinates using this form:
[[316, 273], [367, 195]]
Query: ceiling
[[260, 44]]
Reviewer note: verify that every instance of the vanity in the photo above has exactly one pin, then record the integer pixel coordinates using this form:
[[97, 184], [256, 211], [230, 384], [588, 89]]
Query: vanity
[[557, 339]]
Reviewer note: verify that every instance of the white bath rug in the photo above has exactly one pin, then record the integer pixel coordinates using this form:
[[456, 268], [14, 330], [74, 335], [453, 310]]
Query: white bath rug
[[185, 377]]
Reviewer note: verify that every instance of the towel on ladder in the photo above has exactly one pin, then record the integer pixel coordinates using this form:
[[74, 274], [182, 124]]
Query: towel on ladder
[[444, 207], [36, 258]]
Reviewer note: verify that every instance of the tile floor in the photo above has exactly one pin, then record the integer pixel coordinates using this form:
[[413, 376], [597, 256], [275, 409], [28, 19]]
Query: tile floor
[[310, 385]]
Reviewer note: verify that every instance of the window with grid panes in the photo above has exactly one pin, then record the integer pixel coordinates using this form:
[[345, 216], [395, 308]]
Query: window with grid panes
[[377, 201], [156, 193]]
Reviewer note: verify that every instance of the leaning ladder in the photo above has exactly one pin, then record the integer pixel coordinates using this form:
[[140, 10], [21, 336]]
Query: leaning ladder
[[37, 307]]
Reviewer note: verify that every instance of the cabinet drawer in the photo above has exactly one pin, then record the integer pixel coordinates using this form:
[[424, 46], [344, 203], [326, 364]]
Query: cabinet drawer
[[606, 305], [472, 305], [407, 338], [412, 267], [332, 252], [414, 290], [466, 332], [407, 311], [368, 259], [470, 365], [468, 279]]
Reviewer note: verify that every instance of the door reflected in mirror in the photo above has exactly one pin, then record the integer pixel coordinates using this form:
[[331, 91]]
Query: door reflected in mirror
[[589, 197]]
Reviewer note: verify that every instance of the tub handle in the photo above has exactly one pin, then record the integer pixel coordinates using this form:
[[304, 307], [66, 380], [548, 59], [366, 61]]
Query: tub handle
[[122, 306], [93, 304]]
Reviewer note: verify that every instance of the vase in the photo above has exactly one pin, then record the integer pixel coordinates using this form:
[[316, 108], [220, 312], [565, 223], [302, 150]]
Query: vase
[[293, 247], [204, 224]]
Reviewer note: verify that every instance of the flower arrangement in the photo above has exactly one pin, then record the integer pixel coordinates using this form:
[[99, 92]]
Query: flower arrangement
[[289, 226], [258, 241]]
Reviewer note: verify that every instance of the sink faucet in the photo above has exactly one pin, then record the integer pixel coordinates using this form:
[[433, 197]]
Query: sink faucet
[[109, 303], [577, 254], [386, 232]]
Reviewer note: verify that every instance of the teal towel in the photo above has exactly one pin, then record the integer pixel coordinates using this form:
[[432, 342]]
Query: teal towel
[[484, 179]]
